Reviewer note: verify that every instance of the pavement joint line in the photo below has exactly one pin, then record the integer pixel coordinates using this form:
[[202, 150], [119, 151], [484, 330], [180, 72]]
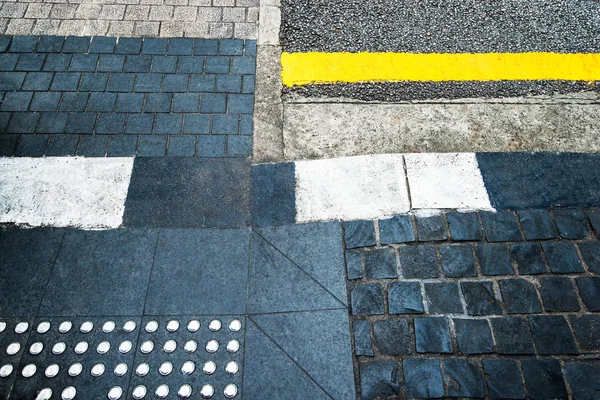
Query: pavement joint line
[[320, 67]]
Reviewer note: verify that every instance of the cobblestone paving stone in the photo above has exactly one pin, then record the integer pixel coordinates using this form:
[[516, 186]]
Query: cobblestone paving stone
[[105, 96], [218, 19], [498, 305]]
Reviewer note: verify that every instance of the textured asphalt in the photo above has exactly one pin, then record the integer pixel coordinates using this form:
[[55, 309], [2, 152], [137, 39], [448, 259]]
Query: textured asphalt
[[451, 26], [403, 91]]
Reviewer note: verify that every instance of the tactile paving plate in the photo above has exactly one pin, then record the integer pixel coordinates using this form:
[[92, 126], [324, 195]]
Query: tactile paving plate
[[88, 386]]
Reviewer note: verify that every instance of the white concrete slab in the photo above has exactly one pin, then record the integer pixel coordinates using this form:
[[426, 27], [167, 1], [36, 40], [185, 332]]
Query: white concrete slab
[[351, 188], [77, 192], [446, 180]]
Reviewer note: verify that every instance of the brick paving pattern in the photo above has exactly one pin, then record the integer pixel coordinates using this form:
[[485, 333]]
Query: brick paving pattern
[[150, 18], [499, 305], [121, 97]]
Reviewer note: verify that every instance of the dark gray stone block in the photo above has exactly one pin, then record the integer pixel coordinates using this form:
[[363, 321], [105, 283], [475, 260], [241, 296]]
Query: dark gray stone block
[[503, 379], [589, 289], [582, 379], [512, 335], [552, 335], [558, 294], [594, 217], [431, 228], [359, 234], [500, 226], [62, 145], [529, 258], [362, 338], [480, 298], [367, 299], [562, 257], [31, 145], [443, 298], [464, 226], [537, 224], [405, 298], [587, 331], [458, 261], [92, 146], [353, 265], [571, 223], [423, 378], [393, 336], [520, 296], [273, 200], [419, 262], [464, 378], [397, 229], [494, 259], [544, 379], [379, 379], [474, 336], [432, 335], [380, 263], [181, 146], [590, 252]]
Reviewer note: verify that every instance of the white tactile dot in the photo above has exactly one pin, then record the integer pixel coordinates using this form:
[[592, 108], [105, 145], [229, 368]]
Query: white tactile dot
[[29, 370], [36, 348], [68, 393], [86, 327], [193, 325], [151, 326], [103, 347], [81, 347], [190, 346], [108, 326], [233, 346], [44, 394], [98, 370], [2, 326], [139, 392], [147, 347], [115, 393], [65, 326], [214, 325], [188, 367], [230, 391], [207, 391], [120, 369], [232, 368], [165, 368], [129, 326], [185, 391], [209, 367], [142, 369], [162, 391], [43, 327], [169, 346], [125, 347], [13, 349], [51, 370], [21, 327], [59, 348], [235, 325], [212, 346], [75, 369], [173, 325], [6, 370]]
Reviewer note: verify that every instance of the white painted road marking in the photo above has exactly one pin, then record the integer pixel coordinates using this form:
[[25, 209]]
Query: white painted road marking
[[446, 180], [351, 188], [77, 192]]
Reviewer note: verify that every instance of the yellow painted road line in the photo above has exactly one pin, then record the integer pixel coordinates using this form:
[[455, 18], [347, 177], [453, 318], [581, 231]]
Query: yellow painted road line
[[306, 68]]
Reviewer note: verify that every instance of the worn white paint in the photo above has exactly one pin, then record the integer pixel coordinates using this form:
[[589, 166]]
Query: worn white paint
[[446, 180], [351, 188], [269, 20], [78, 192]]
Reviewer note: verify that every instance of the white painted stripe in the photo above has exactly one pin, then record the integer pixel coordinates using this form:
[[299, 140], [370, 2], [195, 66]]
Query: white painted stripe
[[446, 180], [351, 188], [77, 192]]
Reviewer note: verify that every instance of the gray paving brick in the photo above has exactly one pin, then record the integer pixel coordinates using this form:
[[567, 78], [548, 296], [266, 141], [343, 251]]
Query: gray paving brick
[[50, 44], [31, 145], [155, 46], [158, 102], [65, 81], [171, 29], [206, 47], [152, 146], [224, 124], [243, 65], [8, 62], [62, 145], [211, 146], [73, 101], [209, 14], [240, 103], [13, 10], [57, 62], [239, 146], [37, 81], [175, 83], [129, 102], [121, 28], [196, 124], [92, 146], [217, 65], [185, 14], [72, 27], [139, 124], [150, 83], [52, 123], [76, 44], [82, 123], [191, 64], [46, 27], [122, 146], [181, 146], [112, 12], [213, 103], [30, 62], [137, 13], [146, 28], [138, 63], [38, 10], [88, 11], [202, 83], [11, 80], [23, 123], [19, 26], [168, 124], [246, 125], [234, 14], [16, 101], [84, 62], [110, 124], [45, 101], [129, 46], [63, 11]]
